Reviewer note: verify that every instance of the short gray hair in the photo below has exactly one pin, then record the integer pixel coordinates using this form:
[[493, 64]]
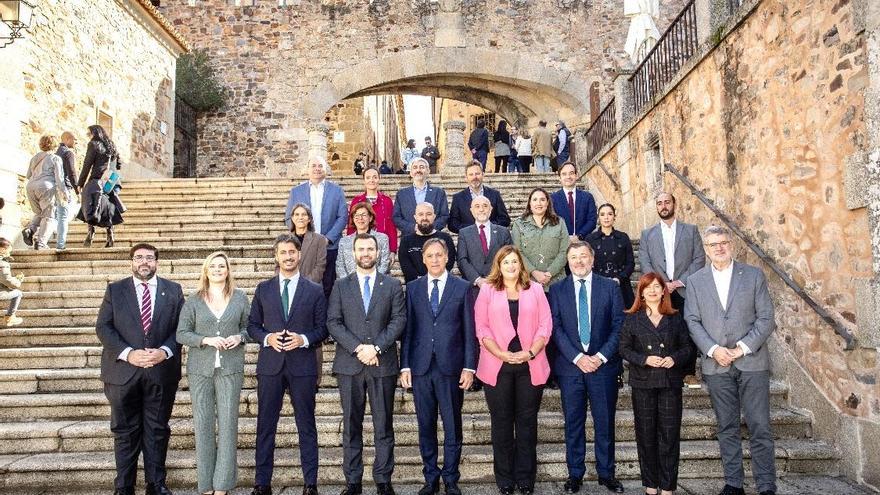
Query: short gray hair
[[420, 159], [323, 161], [716, 230], [435, 240]]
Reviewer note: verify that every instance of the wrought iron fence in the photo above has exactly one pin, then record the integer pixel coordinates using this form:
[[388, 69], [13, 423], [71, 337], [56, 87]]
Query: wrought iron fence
[[678, 44], [602, 131]]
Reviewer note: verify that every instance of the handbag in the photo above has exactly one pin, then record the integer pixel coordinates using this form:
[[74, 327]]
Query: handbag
[[113, 179]]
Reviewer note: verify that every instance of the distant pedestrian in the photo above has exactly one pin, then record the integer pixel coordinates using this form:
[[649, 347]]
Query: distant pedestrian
[[409, 154], [513, 161], [523, 147], [478, 142], [384, 169], [45, 189], [561, 144], [502, 146], [62, 210], [360, 163], [431, 154], [99, 209], [542, 148]]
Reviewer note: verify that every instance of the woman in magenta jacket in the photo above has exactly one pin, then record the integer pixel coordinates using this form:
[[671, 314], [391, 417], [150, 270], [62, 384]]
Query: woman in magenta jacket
[[513, 325], [382, 205]]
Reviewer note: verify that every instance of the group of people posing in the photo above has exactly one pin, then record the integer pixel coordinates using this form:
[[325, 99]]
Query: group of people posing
[[541, 295]]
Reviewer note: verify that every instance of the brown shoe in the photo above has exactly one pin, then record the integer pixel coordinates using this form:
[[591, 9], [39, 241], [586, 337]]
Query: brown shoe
[[12, 320], [691, 381]]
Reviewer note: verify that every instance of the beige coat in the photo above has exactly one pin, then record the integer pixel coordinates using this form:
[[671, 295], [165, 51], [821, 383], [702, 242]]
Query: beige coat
[[541, 142]]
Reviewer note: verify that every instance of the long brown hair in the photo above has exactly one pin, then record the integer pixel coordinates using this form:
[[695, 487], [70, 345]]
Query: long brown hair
[[550, 215], [647, 279], [203, 279], [496, 278]]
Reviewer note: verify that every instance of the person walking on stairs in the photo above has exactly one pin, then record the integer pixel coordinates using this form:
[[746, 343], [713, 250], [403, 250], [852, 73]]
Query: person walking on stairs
[[45, 189], [99, 208], [10, 287]]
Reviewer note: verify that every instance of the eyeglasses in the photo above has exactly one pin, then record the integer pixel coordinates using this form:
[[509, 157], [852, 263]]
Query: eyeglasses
[[716, 245], [147, 258], [361, 215]]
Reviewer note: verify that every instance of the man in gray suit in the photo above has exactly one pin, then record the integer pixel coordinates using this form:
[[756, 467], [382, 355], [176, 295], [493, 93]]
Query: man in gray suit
[[478, 243], [730, 316], [675, 251], [366, 362]]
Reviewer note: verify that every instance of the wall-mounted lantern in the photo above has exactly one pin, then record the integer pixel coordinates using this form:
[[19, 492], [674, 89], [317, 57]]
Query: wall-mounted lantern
[[15, 16]]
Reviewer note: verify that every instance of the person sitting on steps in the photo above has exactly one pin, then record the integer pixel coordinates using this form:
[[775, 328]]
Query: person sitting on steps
[[10, 287]]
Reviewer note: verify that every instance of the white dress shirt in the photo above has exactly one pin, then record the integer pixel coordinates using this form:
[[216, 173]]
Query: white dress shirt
[[577, 309], [152, 286], [291, 290], [372, 284], [668, 233], [487, 230], [316, 198], [722, 280]]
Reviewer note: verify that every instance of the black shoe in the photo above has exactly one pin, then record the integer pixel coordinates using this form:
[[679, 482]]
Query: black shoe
[[261, 490], [451, 489], [732, 490], [352, 489], [430, 488], [110, 237], [506, 490], [611, 484], [552, 384], [525, 488], [27, 235], [384, 489], [124, 491], [158, 489], [87, 242], [572, 485], [310, 490]]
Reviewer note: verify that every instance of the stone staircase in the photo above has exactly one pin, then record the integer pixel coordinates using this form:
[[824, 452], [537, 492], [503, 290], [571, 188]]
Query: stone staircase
[[54, 419]]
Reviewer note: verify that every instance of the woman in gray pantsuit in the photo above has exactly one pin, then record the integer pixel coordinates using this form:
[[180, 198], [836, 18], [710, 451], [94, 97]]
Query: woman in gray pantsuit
[[213, 325]]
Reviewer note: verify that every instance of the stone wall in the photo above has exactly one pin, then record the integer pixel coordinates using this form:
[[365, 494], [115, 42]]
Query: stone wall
[[82, 57], [765, 126], [287, 65], [372, 124]]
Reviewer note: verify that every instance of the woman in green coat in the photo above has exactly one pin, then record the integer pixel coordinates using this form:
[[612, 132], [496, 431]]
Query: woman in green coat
[[542, 239], [213, 326]]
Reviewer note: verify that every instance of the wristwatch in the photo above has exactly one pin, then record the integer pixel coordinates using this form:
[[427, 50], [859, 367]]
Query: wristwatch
[[531, 355], [378, 349]]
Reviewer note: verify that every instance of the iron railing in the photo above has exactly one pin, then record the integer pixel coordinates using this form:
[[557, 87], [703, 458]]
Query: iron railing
[[602, 131], [675, 47]]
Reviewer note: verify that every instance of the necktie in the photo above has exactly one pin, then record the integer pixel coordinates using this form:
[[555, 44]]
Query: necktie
[[583, 314], [285, 300], [571, 209], [435, 297], [146, 309], [484, 242], [367, 294]]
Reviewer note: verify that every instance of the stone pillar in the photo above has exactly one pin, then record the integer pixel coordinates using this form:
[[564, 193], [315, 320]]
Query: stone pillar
[[711, 15], [624, 104], [318, 136], [455, 158]]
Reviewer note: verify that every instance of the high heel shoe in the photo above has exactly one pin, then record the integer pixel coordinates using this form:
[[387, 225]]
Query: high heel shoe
[[89, 236], [110, 237]]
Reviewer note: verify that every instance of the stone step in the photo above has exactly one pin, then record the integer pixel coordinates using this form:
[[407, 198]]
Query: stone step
[[95, 435], [699, 459], [235, 251], [41, 404]]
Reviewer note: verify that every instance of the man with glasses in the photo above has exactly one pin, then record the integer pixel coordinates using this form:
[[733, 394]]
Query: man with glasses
[[730, 316], [420, 192], [431, 154], [140, 368]]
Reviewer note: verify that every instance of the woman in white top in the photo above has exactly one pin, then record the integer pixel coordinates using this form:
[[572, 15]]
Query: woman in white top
[[523, 147]]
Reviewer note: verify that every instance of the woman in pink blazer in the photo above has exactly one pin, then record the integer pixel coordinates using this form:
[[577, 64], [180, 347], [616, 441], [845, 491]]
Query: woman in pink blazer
[[382, 205], [513, 325]]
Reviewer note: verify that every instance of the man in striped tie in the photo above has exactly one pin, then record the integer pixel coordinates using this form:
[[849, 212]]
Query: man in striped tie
[[140, 368]]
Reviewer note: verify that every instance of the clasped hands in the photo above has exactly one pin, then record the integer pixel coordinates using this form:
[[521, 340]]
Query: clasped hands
[[285, 340], [146, 358], [659, 362], [514, 357], [725, 356], [222, 343], [589, 364], [367, 354]]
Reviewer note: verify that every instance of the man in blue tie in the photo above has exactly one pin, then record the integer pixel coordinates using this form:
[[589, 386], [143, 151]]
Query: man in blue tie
[[438, 360], [587, 362]]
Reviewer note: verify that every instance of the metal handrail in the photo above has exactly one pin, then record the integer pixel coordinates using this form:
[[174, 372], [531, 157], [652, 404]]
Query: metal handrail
[[602, 130], [839, 329]]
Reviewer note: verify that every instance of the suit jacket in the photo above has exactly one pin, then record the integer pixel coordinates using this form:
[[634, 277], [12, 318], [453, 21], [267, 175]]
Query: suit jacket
[[689, 253], [313, 257], [748, 317], [447, 338], [472, 263], [492, 319], [307, 316], [584, 211], [460, 214], [606, 318], [381, 326], [405, 208], [197, 321], [639, 338], [119, 326], [334, 210]]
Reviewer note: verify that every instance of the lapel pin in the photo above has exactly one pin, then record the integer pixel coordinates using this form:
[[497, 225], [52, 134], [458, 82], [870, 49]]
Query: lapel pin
[[163, 293]]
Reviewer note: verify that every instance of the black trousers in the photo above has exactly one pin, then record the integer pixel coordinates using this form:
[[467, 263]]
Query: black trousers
[[525, 164], [501, 164], [139, 414], [690, 367], [657, 414], [513, 408], [330, 272]]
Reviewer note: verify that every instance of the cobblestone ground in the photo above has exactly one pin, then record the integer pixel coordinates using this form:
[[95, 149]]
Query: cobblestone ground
[[789, 485]]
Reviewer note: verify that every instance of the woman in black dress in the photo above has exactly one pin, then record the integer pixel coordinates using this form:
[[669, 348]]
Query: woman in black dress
[[99, 209], [614, 253]]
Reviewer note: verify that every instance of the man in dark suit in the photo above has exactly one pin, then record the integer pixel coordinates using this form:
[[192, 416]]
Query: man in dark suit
[[288, 319], [438, 359], [460, 213], [421, 191], [730, 316], [478, 243], [674, 250], [140, 368], [366, 363], [587, 314], [576, 206]]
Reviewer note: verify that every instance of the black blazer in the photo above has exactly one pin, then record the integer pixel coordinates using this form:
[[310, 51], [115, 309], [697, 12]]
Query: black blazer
[[119, 326], [640, 339], [307, 316], [460, 213]]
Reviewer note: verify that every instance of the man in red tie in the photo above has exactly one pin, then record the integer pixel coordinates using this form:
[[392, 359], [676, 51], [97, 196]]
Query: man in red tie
[[140, 368], [576, 206]]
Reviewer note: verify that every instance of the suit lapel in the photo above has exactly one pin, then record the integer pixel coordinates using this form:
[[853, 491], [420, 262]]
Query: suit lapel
[[378, 290], [679, 246], [160, 300], [735, 281], [446, 293], [132, 300], [325, 212], [295, 303], [572, 296]]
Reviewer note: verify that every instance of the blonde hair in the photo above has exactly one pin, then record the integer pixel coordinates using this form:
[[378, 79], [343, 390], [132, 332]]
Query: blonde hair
[[203, 278], [48, 143]]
